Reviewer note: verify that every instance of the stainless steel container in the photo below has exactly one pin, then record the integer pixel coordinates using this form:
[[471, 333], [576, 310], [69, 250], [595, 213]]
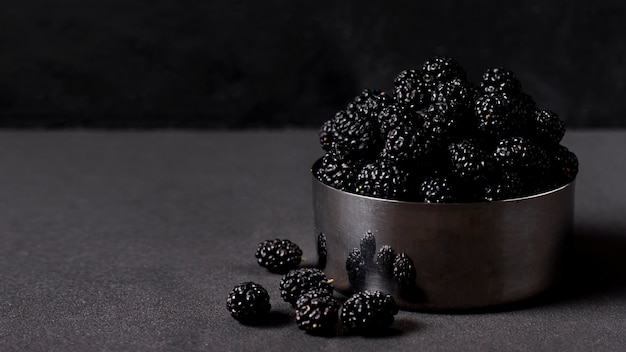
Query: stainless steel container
[[466, 255]]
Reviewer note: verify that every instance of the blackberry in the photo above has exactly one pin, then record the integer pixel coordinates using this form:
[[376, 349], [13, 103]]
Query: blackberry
[[502, 115], [322, 252], [438, 189], [326, 133], [368, 312], [441, 69], [383, 180], [391, 116], [564, 165], [404, 270], [521, 155], [403, 144], [355, 133], [356, 267], [385, 259], [278, 255], [548, 127], [338, 171], [409, 90], [368, 247], [470, 161], [437, 129], [299, 281], [317, 313], [505, 185], [500, 80], [248, 302], [455, 96], [370, 103]]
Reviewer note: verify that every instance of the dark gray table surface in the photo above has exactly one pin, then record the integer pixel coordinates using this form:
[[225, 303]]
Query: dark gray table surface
[[128, 241]]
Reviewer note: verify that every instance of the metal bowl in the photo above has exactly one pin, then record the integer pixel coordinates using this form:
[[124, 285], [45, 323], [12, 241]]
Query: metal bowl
[[465, 255]]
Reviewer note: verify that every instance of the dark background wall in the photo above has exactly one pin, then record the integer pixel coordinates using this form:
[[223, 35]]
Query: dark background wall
[[232, 63]]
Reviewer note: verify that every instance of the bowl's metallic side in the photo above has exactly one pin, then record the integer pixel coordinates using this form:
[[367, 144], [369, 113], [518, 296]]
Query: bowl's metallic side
[[466, 255]]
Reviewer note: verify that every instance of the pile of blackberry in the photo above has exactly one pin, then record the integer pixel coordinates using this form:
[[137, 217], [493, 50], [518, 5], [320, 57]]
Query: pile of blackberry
[[440, 138], [310, 293]]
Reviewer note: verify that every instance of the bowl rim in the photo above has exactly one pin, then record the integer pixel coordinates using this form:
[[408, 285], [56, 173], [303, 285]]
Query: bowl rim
[[397, 201]]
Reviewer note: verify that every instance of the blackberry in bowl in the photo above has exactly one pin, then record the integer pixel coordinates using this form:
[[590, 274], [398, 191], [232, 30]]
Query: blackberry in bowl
[[468, 196]]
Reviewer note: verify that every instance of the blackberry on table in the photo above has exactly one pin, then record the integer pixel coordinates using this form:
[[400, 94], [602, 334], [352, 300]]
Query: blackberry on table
[[382, 179], [299, 281], [368, 312], [548, 127], [409, 90], [248, 302], [385, 258], [438, 69], [278, 255], [500, 80], [317, 313], [404, 271], [356, 267]]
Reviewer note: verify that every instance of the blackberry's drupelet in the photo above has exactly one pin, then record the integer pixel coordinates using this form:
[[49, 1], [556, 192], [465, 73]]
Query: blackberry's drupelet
[[383, 180], [409, 90], [500, 80], [299, 281], [404, 270], [248, 302], [317, 313], [368, 312], [356, 267], [385, 258], [278, 255], [548, 127]]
